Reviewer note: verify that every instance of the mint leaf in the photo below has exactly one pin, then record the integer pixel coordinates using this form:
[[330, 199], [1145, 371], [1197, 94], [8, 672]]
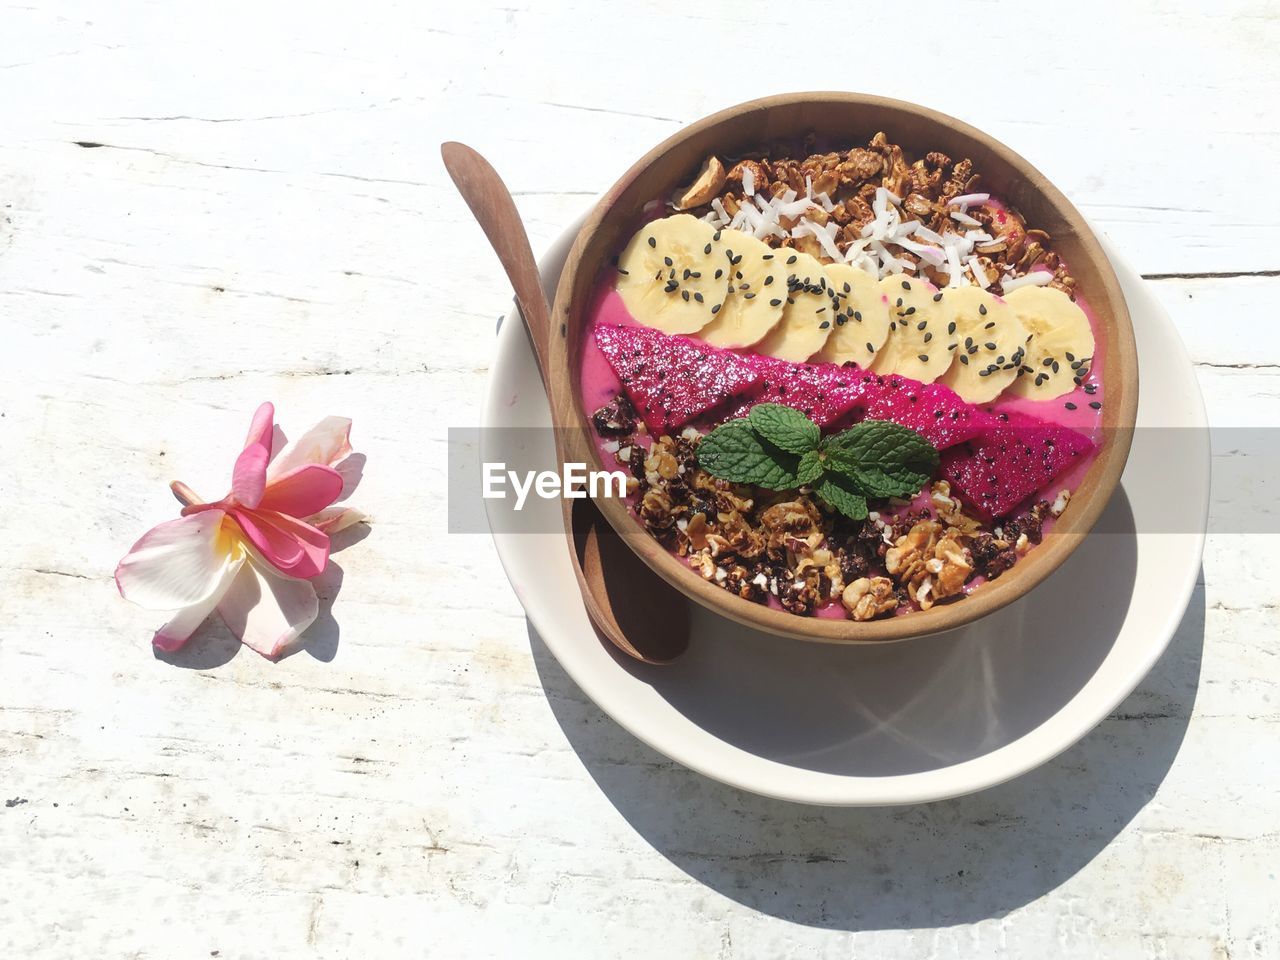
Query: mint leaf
[[882, 459], [733, 452], [837, 492], [810, 468], [784, 427]]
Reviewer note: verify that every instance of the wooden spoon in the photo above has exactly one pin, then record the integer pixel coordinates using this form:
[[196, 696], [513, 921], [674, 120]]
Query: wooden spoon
[[628, 604]]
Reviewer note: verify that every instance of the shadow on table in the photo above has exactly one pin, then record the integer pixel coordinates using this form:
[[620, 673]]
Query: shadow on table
[[955, 861], [213, 645]]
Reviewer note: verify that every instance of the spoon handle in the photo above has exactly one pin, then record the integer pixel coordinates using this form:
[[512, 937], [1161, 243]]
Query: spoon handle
[[490, 201]]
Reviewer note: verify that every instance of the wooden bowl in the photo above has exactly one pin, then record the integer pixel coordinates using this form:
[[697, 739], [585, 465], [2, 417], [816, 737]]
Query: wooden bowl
[[849, 119]]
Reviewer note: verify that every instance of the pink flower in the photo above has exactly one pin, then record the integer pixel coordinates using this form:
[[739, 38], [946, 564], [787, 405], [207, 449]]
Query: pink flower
[[251, 555]]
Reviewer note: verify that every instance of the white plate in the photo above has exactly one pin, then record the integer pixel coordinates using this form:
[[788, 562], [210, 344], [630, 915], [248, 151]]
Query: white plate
[[907, 722]]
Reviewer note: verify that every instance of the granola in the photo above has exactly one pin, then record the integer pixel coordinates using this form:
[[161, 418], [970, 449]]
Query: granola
[[789, 549], [846, 190]]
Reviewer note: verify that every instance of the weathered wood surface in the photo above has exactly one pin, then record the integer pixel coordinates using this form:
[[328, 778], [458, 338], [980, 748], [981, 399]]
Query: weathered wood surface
[[201, 211]]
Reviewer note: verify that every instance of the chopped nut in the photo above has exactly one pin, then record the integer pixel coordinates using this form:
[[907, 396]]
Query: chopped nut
[[1060, 503], [950, 510], [759, 175], [705, 187], [867, 598]]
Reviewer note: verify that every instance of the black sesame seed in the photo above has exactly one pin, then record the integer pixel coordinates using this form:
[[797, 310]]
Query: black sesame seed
[[623, 272], [715, 309], [698, 297], [791, 259], [1069, 405], [716, 236], [899, 301], [928, 337], [964, 359], [654, 243], [1095, 404], [951, 327], [718, 275], [924, 357], [989, 345], [1070, 356], [982, 309], [667, 261], [707, 248], [848, 289], [870, 348], [824, 324], [768, 280], [857, 315], [671, 286], [906, 285], [685, 294], [937, 297], [988, 326], [922, 324], [775, 303], [767, 256], [748, 296]]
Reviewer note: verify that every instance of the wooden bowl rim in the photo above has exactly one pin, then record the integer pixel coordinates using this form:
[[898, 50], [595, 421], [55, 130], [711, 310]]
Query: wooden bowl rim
[[1104, 295]]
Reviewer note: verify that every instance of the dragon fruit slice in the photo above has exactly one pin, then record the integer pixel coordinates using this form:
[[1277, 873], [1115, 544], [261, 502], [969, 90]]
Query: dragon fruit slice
[[932, 410], [1010, 461], [823, 392], [672, 380]]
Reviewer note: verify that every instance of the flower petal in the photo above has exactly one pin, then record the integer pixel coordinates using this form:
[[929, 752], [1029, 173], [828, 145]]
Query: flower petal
[[176, 564], [332, 519], [294, 548], [352, 469], [268, 612], [249, 478], [182, 624], [304, 490], [327, 443]]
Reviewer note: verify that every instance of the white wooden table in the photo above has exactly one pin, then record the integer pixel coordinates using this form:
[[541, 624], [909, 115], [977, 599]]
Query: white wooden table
[[202, 208]]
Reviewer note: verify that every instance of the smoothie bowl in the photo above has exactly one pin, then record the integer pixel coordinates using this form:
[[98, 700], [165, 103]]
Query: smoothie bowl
[[870, 375]]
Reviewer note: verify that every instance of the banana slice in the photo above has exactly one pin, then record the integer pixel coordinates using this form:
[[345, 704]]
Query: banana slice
[[808, 312], [862, 317], [672, 274], [1059, 344], [918, 336], [756, 295], [991, 343]]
